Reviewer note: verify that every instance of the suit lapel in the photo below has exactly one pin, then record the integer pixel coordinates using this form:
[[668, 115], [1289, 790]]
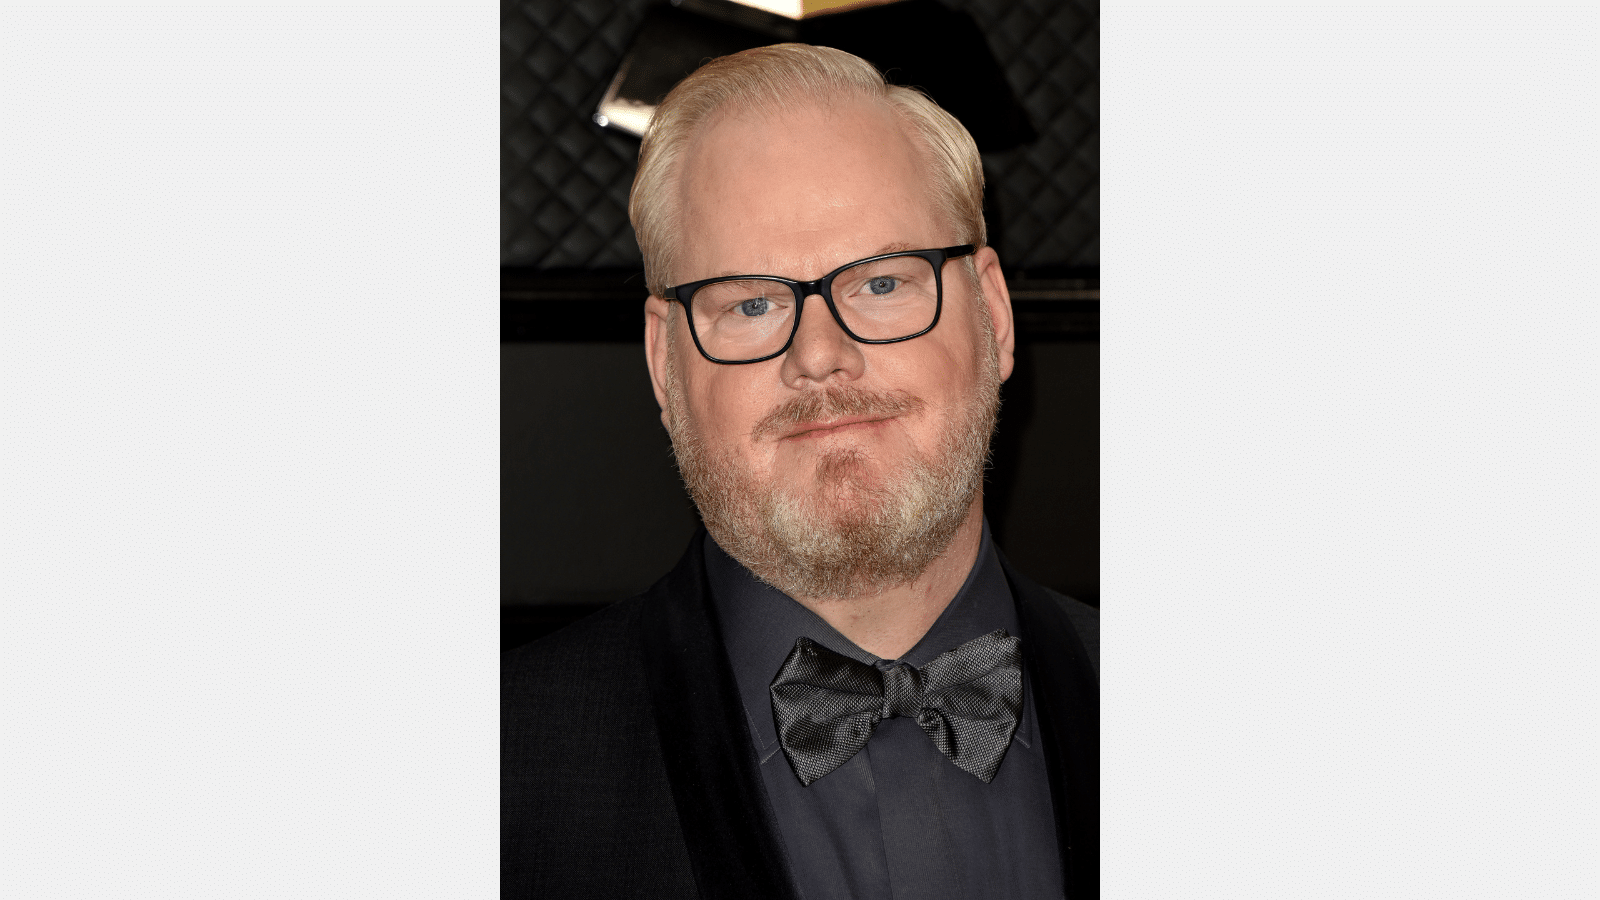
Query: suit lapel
[[726, 817], [1066, 695]]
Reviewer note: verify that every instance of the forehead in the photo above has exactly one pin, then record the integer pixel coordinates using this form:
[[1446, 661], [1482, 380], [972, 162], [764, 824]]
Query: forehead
[[800, 192]]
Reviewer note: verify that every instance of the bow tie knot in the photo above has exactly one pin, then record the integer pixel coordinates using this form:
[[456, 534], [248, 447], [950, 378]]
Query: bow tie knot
[[902, 691], [966, 701]]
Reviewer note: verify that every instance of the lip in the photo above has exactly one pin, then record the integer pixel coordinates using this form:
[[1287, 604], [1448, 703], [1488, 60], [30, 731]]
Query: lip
[[813, 430]]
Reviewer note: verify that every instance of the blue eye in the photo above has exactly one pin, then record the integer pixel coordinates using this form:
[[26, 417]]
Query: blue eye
[[883, 284], [755, 307]]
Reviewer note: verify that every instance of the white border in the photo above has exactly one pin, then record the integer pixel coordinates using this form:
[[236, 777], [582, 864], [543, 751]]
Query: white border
[[249, 361], [1349, 314]]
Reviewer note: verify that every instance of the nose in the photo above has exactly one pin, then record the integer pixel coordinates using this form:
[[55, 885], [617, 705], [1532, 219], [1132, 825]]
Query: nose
[[821, 350]]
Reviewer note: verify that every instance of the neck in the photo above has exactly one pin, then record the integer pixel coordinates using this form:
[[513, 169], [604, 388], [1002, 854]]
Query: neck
[[889, 623]]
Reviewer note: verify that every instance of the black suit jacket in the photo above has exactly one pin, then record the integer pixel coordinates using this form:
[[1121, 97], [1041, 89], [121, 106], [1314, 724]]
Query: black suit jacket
[[627, 769]]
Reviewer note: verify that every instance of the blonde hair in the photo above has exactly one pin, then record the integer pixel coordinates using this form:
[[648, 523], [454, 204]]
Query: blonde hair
[[780, 78]]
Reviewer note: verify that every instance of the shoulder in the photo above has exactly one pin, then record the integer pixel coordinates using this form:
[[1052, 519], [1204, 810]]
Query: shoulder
[[1077, 617], [585, 804], [586, 657], [592, 670], [1085, 621], [588, 677]]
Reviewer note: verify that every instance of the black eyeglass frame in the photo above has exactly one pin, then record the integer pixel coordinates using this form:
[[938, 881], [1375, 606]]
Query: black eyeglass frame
[[822, 287]]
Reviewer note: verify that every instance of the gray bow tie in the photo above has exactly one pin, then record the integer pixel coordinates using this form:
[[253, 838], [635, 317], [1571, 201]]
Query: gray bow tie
[[966, 701]]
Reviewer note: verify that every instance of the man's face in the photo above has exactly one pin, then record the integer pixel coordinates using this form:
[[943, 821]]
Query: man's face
[[834, 443]]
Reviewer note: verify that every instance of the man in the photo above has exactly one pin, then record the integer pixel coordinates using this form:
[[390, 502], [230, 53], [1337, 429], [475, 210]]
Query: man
[[842, 690]]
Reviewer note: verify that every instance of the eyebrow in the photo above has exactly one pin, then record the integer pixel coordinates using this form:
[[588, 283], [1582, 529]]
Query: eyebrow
[[894, 247]]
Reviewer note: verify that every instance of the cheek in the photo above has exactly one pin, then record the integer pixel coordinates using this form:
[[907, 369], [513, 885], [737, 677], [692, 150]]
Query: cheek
[[938, 372], [728, 409]]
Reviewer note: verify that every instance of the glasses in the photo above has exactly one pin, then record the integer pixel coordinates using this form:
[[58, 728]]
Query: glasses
[[884, 299]]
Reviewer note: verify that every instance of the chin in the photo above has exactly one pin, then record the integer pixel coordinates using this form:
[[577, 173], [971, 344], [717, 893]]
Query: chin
[[847, 486], [846, 472], [858, 531]]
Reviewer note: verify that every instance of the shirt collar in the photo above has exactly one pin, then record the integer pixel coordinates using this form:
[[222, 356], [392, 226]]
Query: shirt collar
[[760, 625]]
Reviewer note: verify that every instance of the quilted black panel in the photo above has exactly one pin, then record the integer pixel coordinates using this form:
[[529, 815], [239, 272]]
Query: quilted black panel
[[1047, 192], [564, 180]]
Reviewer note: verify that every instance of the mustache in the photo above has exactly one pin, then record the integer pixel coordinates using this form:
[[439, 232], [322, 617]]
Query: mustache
[[834, 403]]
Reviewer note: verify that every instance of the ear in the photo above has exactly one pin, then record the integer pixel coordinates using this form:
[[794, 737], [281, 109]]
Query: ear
[[997, 298], [656, 335]]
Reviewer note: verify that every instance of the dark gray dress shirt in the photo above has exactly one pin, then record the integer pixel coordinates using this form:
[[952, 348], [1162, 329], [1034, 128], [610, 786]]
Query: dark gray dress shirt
[[898, 821]]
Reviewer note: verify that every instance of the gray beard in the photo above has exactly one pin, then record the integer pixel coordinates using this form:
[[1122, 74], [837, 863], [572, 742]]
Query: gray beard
[[846, 534]]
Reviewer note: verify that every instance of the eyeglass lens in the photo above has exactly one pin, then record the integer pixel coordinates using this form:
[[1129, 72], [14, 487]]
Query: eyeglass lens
[[880, 300]]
